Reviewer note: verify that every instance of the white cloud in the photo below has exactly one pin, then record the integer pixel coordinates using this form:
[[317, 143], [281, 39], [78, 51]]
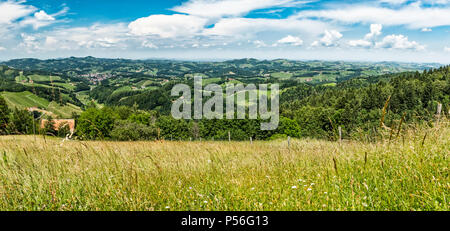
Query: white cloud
[[29, 42], [426, 29], [246, 28], [95, 36], [221, 8], [447, 49], [393, 2], [15, 14], [290, 40], [148, 44], [375, 30], [2, 48], [51, 41], [40, 19], [367, 42], [168, 26], [360, 43], [329, 39], [399, 42], [10, 11], [413, 16], [259, 44]]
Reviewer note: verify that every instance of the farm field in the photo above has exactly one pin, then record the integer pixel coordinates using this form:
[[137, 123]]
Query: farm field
[[24, 100], [410, 172]]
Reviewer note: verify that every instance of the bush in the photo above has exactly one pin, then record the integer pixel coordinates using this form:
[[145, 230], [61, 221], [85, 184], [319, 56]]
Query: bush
[[130, 131], [96, 123]]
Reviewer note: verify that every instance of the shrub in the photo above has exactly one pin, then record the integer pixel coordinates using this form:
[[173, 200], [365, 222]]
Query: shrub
[[130, 131]]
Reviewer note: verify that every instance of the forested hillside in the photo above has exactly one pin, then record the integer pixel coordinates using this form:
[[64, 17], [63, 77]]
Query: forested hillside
[[130, 100], [357, 105]]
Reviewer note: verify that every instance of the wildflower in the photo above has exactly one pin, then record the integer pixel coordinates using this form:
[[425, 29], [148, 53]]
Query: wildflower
[[205, 202], [252, 189], [309, 189], [325, 192], [364, 204], [312, 184], [294, 187], [167, 207]]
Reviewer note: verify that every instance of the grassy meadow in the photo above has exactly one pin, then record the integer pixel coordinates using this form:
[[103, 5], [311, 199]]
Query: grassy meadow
[[410, 172]]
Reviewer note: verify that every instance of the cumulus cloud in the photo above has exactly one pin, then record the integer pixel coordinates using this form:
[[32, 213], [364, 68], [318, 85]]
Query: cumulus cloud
[[447, 49], [399, 42], [290, 40], [2, 48], [368, 41], [360, 43], [329, 39], [168, 26], [426, 29], [375, 30], [95, 36]]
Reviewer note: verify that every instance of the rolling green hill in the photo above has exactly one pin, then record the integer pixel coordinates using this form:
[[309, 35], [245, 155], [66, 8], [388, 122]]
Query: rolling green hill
[[26, 99]]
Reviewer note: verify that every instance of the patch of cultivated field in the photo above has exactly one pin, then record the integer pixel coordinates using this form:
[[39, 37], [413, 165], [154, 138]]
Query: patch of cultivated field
[[24, 100], [409, 173]]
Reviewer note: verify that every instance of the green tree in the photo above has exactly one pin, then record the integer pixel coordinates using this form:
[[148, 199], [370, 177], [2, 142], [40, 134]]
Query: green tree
[[96, 123], [21, 122], [4, 116]]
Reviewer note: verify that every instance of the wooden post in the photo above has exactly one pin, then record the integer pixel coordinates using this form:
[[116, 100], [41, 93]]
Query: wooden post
[[289, 142], [229, 136], [159, 133], [438, 113], [340, 134], [251, 140]]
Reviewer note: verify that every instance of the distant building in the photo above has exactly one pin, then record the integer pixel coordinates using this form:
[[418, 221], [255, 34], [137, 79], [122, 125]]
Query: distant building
[[61, 122]]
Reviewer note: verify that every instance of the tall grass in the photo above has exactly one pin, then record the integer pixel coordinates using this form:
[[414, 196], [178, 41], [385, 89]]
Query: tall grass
[[407, 173]]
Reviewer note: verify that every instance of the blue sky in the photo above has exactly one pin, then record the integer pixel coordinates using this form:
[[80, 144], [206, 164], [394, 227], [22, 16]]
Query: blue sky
[[371, 30]]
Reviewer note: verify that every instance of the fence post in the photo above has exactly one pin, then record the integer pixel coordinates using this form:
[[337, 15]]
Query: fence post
[[229, 136], [289, 142], [251, 140], [340, 134], [438, 113]]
